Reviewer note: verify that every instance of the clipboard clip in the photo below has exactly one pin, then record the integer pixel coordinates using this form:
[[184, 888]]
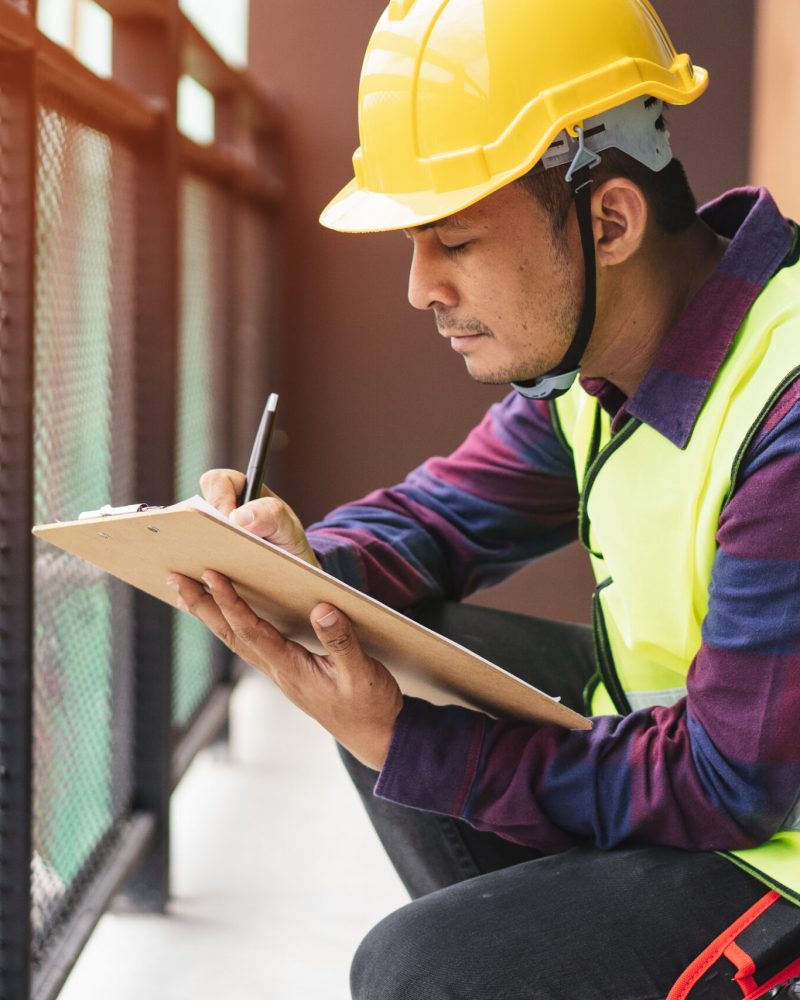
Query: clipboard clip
[[108, 511]]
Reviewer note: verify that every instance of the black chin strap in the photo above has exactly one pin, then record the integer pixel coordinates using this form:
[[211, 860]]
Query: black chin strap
[[557, 382]]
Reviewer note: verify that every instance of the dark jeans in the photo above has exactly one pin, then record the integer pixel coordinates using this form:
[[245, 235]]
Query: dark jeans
[[495, 921]]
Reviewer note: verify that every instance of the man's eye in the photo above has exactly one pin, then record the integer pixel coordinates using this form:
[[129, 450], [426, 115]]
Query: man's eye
[[457, 248]]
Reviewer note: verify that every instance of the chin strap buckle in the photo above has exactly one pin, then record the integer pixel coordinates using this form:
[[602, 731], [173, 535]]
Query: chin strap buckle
[[583, 157], [546, 386]]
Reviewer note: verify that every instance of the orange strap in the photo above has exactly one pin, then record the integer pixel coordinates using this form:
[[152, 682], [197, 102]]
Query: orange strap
[[790, 972], [725, 946]]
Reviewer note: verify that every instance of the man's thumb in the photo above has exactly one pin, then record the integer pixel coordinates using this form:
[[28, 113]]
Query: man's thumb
[[335, 631]]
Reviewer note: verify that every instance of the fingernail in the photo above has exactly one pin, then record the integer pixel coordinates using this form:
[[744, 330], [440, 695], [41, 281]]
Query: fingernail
[[207, 583], [243, 516], [328, 620], [172, 582]]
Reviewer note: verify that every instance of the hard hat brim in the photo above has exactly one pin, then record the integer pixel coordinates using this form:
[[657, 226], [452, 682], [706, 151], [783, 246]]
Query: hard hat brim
[[357, 210]]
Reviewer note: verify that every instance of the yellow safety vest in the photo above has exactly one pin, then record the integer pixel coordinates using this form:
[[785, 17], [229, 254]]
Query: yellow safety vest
[[649, 513]]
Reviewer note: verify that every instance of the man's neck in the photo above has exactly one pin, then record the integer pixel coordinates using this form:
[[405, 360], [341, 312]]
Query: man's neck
[[642, 300]]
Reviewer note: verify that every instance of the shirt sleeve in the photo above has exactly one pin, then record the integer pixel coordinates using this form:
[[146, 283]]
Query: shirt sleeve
[[718, 770], [457, 524]]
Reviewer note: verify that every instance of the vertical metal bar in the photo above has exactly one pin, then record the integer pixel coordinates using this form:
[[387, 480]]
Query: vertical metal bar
[[225, 218], [225, 356], [147, 59], [272, 157], [17, 174]]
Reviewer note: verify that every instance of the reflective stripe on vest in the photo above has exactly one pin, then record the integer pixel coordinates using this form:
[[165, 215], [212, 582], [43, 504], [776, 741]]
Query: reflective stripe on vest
[[649, 512], [649, 699]]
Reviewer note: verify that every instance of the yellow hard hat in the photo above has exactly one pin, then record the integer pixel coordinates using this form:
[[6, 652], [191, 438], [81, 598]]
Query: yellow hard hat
[[459, 97]]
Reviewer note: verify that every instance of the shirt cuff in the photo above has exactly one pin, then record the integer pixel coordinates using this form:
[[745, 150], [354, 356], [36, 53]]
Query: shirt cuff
[[338, 557], [433, 757]]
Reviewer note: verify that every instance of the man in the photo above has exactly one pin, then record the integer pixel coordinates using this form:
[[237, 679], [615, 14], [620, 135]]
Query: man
[[521, 146]]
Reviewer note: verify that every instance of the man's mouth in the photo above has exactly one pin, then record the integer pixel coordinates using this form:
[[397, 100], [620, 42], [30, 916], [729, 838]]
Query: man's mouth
[[462, 341], [462, 335]]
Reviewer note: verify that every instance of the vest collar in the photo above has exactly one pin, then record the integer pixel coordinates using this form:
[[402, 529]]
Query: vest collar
[[671, 395]]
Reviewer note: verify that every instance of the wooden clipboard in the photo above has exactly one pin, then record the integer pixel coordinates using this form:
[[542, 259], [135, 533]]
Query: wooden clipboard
[[142, 547]]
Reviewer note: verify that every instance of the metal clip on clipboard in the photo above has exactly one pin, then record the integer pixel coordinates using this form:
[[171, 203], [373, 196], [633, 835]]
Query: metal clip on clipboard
[[108, 511]]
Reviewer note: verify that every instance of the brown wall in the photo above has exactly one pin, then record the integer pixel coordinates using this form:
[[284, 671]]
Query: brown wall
[[369, 390], [776, 122]]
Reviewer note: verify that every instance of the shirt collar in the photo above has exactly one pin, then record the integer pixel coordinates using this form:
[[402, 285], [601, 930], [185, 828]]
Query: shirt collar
[[671, 395]]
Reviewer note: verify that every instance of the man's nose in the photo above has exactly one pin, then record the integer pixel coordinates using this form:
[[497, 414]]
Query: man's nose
[[428, 284]]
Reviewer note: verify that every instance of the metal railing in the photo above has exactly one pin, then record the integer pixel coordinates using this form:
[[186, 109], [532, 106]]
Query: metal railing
[[138, 311]]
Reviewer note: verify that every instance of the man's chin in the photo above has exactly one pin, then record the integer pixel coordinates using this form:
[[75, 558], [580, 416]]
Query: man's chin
[[496, 376]]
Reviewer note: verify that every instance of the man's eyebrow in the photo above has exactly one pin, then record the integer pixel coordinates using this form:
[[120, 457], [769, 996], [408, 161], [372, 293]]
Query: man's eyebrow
[[450, 222]]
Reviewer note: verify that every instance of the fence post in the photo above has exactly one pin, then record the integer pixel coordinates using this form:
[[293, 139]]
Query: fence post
[[17, 178], [147, 60]]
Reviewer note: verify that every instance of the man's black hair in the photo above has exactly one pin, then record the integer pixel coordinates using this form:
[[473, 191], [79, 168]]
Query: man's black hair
[[672, 204]]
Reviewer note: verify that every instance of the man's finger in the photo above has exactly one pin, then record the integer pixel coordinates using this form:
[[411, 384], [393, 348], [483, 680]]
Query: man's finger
[[243, 622], [270, 518], [221, 487], [262, 517], [194, 599]]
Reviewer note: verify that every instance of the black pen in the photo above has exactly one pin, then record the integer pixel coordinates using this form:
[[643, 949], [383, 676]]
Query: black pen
[[257, 465]]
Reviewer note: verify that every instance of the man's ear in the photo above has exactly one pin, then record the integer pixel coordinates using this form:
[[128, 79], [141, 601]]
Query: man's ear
[[619, 218]]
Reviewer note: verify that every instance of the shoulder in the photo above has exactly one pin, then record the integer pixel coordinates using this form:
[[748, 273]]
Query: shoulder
[[777, 434], [527, 429], [764, 500]]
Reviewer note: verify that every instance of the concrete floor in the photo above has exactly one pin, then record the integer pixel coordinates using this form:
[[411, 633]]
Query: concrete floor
[[277, 875]]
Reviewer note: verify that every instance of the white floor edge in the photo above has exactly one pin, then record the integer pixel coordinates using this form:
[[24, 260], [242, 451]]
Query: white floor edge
[[277, 875]]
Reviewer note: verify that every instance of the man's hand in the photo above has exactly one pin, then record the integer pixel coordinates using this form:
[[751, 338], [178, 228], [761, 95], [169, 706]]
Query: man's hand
[[349, 693], [268, 517]]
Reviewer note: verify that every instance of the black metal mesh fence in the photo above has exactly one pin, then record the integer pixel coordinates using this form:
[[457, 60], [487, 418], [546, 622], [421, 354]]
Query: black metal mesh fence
[[6, 123], [16, 572], [91, 173], [83, 441]]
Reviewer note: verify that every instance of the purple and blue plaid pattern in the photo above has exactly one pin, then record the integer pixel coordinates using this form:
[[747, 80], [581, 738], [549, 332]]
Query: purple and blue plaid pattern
[[718, 770]]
